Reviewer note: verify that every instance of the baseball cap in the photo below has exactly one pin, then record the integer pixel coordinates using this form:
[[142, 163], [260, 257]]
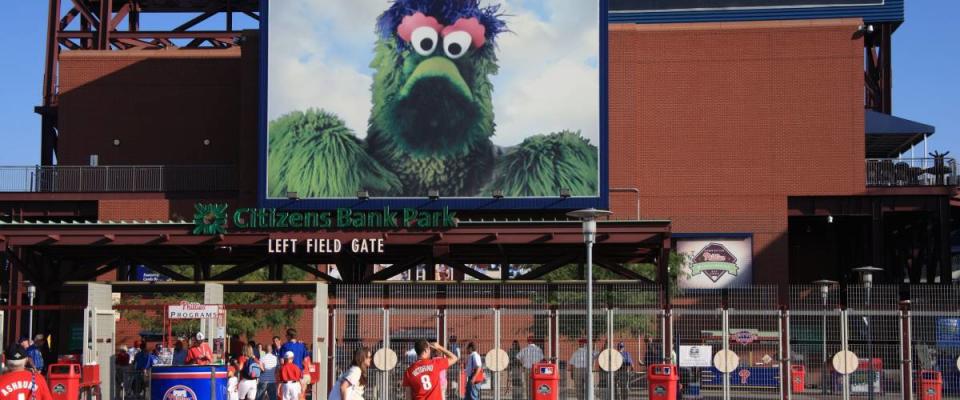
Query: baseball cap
[[16, 357], [582, 341], [288, 354], [200, 336], [530, 339]]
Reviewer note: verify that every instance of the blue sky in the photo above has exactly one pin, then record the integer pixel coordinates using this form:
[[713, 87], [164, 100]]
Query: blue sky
[[925, 68]]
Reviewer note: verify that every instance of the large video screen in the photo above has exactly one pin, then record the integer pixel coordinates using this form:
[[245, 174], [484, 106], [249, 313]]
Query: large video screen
[[465, 99]]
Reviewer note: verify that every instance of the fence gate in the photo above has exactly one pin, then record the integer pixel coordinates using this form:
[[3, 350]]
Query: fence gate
[[935, 322], [814, 325], [755, 335], [358, 321], [471, 319], [697, 326], [874, 334]]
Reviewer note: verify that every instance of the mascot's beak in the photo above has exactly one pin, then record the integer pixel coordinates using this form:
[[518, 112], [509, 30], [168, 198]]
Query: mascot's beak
[[437, 67]]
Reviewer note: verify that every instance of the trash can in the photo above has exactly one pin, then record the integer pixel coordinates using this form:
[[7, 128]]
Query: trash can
[[663, 380], [64, 381], [798, 378], [545, 379], [931, 385], [189, 382]]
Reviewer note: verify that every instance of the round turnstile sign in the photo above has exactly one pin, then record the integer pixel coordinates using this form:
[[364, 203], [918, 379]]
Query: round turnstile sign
[[958, 363], [610, 360], [726, 361], [385, 359], [845, 362], [497, 360]]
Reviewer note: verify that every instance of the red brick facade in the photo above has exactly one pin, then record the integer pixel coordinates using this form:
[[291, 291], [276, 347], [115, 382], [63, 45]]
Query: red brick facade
[[718, 124]]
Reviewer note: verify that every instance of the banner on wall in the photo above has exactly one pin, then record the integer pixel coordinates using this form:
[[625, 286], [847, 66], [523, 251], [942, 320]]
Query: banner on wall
[[715, 262]]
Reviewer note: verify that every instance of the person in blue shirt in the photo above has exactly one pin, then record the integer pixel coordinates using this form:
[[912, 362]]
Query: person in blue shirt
[[295, 346], [34, 353], [141, 365], [179, 353], [624, 373]]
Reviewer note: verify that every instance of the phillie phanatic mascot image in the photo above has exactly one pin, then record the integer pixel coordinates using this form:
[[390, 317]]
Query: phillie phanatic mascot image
[[431, 122]]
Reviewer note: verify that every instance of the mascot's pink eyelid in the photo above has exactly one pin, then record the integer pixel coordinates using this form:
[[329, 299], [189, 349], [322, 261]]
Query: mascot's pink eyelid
[[471, 26], [411, 22]]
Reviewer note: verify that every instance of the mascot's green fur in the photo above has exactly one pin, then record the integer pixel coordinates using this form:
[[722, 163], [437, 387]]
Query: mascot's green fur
[[431, 122]]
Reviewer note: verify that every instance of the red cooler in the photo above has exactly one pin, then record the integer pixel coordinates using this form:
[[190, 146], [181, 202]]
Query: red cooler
[[931, 385], [798, 378], [663, 380], [64, 381], [545, 381]]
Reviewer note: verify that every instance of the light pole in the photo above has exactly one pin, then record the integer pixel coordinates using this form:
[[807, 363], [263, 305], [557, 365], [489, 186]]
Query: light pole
[[31, 293], [866, 278], [825, 285], [589, 219]]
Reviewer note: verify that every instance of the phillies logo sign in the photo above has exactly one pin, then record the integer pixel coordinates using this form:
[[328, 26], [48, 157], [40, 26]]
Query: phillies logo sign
[[714, 261]]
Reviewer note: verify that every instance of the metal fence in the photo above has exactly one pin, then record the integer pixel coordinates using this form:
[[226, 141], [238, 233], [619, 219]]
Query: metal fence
[[86, 179], [911, 172], [774, 352]]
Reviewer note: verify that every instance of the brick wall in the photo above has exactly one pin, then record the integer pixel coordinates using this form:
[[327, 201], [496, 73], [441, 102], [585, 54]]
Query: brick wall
[[134, 210], [161, 105], [718, 123]]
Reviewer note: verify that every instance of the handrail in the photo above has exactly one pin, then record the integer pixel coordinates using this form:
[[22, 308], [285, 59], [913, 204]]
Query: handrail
[[117, 178], [900, 172]]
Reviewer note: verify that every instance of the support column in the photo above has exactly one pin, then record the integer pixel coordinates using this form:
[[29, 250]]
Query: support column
[[213, 294], [943, 242], [321, 333], [99, 332]]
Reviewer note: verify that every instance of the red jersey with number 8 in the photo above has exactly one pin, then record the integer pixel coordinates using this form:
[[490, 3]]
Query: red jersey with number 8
[[423, 378]]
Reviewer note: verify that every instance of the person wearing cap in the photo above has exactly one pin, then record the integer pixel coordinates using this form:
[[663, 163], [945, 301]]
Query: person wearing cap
[[20, 383], [579, 365], [301, 357], [288, 378], [199, 353], [529, 355]]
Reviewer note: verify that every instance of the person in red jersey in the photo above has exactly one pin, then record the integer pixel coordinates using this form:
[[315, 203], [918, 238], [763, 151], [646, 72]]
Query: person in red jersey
[[423, 376], [19, 383]]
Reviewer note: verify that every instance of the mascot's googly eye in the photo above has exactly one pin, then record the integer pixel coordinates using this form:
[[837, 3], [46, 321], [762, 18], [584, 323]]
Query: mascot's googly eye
[[456, 44], [424, 40]]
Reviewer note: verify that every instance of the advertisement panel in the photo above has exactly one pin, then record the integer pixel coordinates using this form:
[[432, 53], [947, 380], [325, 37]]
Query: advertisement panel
[[434, 103], [713, 262]]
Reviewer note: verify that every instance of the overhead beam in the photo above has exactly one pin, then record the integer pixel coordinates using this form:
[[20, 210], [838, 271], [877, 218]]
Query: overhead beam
[[623, 271], [395, 270], [468, 271], [547, 268], [316, 272]]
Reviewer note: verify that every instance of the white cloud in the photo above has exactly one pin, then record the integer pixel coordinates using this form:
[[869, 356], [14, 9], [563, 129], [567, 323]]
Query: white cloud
[[321, 49], [546, 82]]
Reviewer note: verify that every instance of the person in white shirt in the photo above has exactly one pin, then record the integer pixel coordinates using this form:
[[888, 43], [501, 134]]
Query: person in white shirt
[[528, 356], [351, 383], [579, 365], [267, 385], [232, 381], [472, 370]]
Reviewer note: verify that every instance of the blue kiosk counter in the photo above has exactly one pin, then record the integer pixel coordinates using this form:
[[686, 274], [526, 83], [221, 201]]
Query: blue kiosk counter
[[189, 382]]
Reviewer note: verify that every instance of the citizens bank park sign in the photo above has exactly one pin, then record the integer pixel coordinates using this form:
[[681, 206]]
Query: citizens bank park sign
[[214, 219]]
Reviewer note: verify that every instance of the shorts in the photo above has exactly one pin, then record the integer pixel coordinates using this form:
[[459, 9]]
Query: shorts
[[247, 389], [291, 391]]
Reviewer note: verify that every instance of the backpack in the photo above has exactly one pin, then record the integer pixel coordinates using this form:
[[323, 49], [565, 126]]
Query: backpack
[[250, 370]]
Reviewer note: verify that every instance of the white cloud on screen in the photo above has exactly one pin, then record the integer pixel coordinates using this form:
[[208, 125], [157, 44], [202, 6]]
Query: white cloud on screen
[[320, 51]]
